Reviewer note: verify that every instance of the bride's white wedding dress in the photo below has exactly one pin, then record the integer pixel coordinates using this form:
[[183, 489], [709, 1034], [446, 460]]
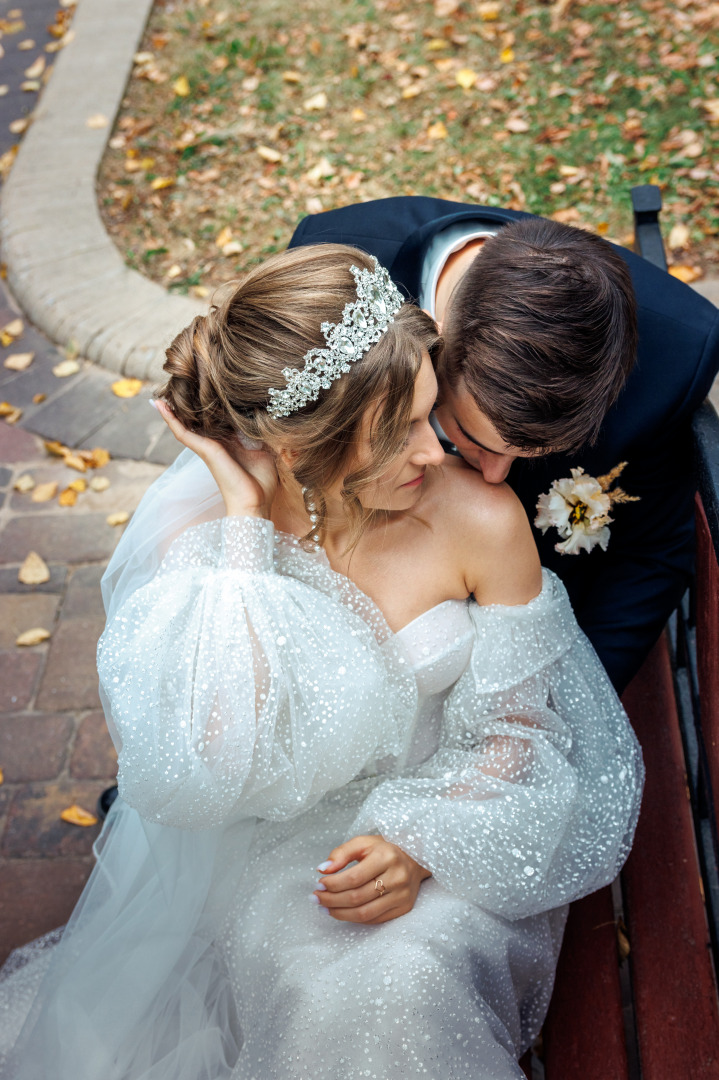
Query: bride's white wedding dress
[[265, 714]]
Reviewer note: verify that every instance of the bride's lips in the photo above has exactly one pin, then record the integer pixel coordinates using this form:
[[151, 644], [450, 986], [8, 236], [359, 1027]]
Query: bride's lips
[[414, 483]]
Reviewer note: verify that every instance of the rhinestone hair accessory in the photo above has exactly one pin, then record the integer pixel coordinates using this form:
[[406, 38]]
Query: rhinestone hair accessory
[[363, 323]]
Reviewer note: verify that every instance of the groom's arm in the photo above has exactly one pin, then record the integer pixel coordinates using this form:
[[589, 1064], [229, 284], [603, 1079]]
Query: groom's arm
[[648, 564]]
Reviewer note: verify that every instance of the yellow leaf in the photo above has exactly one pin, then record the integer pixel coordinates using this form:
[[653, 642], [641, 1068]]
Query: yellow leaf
[[77, 485], [17, 127], [44, 492], [126, 388], [466, 78], [412, 91], [602, 228], [223, 237], [200, 290], [436, 45], [268, 154], [99, 483], [162, 182], [30, 86], [2, 777], [678, 237], [37, 399], [118, 518], [506, 56], [68, 497], [75, 461], [97, 458], [19, 361], [291, 76], [10, 412], [358, 114], [33, 637], [55, 448], [13, 329], [97, 121], [65, 368], [437, 130], [317, 102], [24, 483], [488, 11], [34, 570], [181, 86], [36, 68], [75, 815], [687, 274]]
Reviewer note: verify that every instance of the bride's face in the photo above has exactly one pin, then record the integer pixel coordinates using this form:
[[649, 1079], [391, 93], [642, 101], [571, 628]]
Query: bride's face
[[400, 487]]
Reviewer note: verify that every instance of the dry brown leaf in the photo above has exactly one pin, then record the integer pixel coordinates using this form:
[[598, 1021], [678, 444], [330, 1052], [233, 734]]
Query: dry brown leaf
[[437, 130], [291, 76], [234, 247], [34, 570], [17, 127], [444, 8], [99, 483], [466, 78], [68, 497], [65, 368], [567, 215], [118, 518], [44, 492], [162, 182], [687, 274], [181, 86], [25, 45], [412, 91], [317, 102], [711, 107], [19, 361], [12, 415], [623, 940], [2, 777], [126, 388], [37, 399], [13, 329], [33, 637], [75, 815], [24, 483], [268, 154], [78, 485], [30, 86], [36, 68], [358, 114], [223, 237]]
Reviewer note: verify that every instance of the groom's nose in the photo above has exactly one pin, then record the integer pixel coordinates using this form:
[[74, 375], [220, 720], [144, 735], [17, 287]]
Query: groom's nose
[[495, 467]]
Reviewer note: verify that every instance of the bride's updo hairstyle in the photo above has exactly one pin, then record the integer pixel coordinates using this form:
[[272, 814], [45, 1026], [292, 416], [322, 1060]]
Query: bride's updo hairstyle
[[223, 365]]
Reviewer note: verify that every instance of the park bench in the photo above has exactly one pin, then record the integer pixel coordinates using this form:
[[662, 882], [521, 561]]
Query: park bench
[[636, 993]]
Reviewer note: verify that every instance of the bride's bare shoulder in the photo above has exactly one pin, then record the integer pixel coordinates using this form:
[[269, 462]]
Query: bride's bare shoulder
[[485, 529]]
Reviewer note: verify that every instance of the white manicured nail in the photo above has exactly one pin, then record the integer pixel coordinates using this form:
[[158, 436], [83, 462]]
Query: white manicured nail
[[324, 866], [153, 403], [321, 887], [314, 899]]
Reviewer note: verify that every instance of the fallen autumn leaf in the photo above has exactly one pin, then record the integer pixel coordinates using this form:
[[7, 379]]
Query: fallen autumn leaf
[[34, 636], [34, 570]]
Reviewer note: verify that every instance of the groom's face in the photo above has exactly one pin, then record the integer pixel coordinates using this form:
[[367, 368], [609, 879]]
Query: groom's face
[[474, 435]]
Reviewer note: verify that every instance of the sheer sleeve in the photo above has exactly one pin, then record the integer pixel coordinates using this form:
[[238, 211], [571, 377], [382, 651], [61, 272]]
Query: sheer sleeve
[[532, 798], [233, 690]]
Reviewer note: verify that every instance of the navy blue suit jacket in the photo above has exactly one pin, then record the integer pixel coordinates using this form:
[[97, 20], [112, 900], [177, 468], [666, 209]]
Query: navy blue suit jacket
[[622, 597]]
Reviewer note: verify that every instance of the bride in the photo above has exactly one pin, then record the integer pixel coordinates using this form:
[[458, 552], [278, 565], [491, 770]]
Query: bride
[[366, 756]]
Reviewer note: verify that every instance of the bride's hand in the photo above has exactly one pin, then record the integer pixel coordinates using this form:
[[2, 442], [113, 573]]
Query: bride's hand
[[247, 479], [354, 895]]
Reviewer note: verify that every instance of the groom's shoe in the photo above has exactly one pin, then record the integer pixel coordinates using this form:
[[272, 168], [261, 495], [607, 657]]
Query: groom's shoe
[[105, 801]]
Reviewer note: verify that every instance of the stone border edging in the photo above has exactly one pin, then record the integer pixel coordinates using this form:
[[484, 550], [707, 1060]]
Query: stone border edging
[[62, 266]]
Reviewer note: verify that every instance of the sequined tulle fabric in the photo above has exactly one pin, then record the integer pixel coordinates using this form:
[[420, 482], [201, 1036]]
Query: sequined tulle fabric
[[264, 713]]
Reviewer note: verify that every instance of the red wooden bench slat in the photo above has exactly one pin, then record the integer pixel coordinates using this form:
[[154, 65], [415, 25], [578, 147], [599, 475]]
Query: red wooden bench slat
[[707, 599], [584, 1034], [674, 991]]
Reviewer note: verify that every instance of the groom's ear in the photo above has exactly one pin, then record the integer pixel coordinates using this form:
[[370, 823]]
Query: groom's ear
[[437, 322]]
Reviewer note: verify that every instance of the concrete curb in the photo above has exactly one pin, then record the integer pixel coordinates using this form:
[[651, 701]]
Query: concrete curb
[[63, 267]]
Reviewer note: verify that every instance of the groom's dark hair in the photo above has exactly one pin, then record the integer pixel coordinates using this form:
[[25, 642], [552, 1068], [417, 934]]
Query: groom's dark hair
[[542, 330]]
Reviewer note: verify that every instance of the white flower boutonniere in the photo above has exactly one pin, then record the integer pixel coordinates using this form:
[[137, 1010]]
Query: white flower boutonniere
[[578, 507]]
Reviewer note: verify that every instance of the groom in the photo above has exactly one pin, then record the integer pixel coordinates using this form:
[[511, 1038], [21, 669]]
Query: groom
[[539, 343]]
